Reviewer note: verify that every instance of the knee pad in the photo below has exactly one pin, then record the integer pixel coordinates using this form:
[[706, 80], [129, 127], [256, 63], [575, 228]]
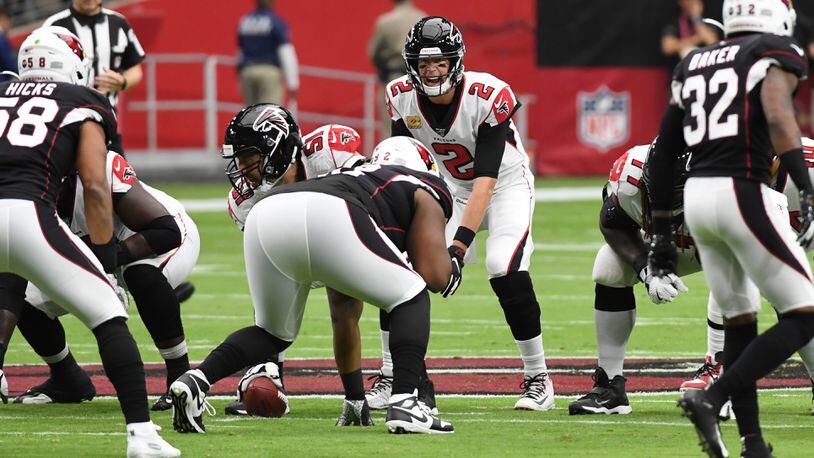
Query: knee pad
[[608, 299], [156, 301], [515, 293]]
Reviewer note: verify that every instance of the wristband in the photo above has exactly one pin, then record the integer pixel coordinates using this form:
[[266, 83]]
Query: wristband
[[640, 263], [465, 235], [106, 254]]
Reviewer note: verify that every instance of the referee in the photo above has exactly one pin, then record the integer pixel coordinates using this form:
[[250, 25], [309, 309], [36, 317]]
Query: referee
[[110, 43]]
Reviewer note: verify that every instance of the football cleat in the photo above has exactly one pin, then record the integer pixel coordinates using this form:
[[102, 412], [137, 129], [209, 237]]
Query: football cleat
[[59, 392], [3, 387], [702, 412], [143, 441], [705, 376], [189, 402], [354, 413], [406, 414], [184, 291], [753, 446], [426, 394], [607, 397], [164, 402], [538, 393], [379, 395], [235, 408]]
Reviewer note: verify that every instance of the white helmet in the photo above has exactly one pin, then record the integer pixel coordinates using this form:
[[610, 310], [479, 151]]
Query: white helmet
[[53, 54], [763, 16], [405, 151]]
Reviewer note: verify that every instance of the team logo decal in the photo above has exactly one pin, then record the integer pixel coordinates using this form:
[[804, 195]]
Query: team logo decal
[[413, 122], [345, 138], [73, 43], [603, 119], [504, 104], [270, 117]]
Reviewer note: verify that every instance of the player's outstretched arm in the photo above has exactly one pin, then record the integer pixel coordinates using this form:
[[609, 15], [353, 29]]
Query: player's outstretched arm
[[90, 161], [426, 245], [156, 230], [475, 210]]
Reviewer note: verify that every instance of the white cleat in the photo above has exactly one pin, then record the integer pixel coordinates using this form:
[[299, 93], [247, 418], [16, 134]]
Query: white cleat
[[538, 393], [189, 402], [143, 441], [3, 387], [406, 414], [379, 395]]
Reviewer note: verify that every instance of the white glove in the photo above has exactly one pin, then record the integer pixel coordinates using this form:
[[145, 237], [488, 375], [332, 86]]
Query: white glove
[[269, 370], [664, 289], [3, 388]]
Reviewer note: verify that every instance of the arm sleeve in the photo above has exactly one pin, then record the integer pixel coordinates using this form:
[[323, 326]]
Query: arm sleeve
[[490, 145], [134, 53], [669, 144], [399, 129]]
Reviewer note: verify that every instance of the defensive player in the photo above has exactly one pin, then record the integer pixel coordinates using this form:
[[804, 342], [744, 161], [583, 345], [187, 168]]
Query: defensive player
[[56, 124], [465, 118], [158, 248], [731, 105], [306, 232]]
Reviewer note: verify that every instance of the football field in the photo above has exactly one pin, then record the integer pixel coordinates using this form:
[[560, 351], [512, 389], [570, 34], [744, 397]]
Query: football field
[[468, 331]]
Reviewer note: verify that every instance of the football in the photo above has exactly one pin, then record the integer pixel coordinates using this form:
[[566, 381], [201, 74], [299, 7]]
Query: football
[[262, 398]]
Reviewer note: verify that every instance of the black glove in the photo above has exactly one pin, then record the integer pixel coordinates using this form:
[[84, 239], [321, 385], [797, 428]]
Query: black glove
[[106, 254], [456, 254], [662, 257], [807, 218]]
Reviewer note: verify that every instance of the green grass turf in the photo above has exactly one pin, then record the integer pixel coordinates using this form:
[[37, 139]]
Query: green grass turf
[[485, 427], [468, 324]]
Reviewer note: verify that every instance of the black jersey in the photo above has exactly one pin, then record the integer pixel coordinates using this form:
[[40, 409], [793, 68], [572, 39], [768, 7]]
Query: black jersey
[[39, 131], [386, 192], [718, 87]]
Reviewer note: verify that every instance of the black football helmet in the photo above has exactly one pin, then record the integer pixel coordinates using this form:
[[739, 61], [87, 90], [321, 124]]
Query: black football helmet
[[265, 129], [434, 37]]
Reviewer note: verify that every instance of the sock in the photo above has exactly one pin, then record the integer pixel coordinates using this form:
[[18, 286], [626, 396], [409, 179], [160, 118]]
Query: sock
[[2, 354], [64, 367], [354, 387], [387, 359], [409, 335], [245, 347], [807, 354], [744, 403], [176, 360], [123, 366], [762, 355], [614, 318], [715, 331], [533, 356], [45, 335], [515, 293], [156, 302]]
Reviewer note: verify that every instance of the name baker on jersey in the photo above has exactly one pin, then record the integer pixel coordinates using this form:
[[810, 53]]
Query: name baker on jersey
[[714, 57]]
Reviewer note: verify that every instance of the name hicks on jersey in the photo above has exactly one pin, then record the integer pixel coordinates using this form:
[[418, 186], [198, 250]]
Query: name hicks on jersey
[[30, 88], [714, 57]]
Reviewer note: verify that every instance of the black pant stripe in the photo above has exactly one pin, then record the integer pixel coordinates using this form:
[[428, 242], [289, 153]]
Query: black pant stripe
[[370, 238], [750, 202], [514, 263]]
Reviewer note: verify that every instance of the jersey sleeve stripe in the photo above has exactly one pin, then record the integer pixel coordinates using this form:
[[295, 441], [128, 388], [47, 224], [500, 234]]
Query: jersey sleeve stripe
[[79, 115]]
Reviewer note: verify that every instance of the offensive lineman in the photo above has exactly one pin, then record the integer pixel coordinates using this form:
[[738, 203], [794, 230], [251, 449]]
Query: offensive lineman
[[158, 248], [464, 118], [56, 125], [731, 105], [306, 232]]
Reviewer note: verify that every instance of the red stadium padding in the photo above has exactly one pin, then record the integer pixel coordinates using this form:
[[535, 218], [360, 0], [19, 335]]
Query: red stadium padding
[[450, 375]]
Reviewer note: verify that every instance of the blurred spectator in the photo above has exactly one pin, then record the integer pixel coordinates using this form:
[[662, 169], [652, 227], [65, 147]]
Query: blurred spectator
[[8, 58], [112, 45], [386, 45], [804, 34], [688, 33], [266, 54]]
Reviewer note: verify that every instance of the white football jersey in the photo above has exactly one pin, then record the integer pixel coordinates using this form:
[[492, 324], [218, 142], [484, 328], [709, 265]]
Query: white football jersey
[[121, 177], [327, 148], [790, 190], [484, 99], [625, 181]]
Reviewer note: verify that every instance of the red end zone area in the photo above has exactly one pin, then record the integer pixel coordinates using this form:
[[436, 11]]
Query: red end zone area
[[451, 376]]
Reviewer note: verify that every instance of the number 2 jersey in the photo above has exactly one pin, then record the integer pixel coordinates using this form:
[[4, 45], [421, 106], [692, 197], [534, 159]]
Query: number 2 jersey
[[481, 99], [386, 192], [39, 133], [718, 87]]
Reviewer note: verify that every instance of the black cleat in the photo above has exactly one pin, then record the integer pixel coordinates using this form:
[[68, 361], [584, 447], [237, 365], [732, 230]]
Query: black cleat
[[184, 291], [53, 391], [406, 414], [753, 446], [426, 394], [703, 413], [189, 402], [607, 397], [235, 408], [164, 402], [354, 413]]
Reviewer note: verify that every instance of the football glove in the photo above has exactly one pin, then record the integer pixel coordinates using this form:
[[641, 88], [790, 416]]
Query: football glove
[[807, 218], [120, 292], [662, 289], [456, 255], [3, 388], [269, 370], [354, 413]]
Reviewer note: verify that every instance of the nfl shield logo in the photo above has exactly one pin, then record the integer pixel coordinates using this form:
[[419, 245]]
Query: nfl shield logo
[[603, 118]]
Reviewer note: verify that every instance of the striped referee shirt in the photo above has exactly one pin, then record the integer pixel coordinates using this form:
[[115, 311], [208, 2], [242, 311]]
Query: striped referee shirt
[[107, 38]]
